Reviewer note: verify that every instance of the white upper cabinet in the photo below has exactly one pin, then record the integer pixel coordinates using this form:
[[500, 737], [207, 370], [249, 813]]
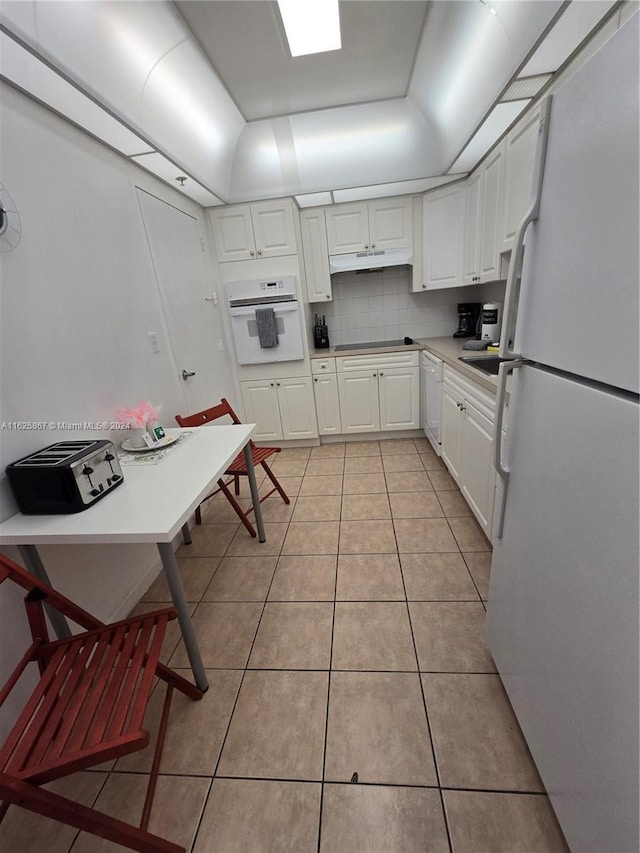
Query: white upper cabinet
[[316, 254], [390, 223], [249, 231], [490, 211], [472, 228], [443, 228], [381, 224], [519, 161]]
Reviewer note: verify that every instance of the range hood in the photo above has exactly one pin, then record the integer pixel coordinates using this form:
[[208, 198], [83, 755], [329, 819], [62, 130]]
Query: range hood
[[369, 260]]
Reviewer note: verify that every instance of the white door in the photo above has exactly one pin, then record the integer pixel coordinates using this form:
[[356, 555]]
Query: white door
[[260, 400], [359, 406], [452, 419], [562, 620], [297, 408], [399, 389], [194, 324], [347, 228], [478, 476], [273, 228], [390, 224], [233, 233], [325, 388]]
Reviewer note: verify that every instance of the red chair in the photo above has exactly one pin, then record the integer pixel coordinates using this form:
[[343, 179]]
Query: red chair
[[87, 707], [238, 468]]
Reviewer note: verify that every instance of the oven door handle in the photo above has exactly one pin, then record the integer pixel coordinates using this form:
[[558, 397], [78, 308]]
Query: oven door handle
[[278, 307]]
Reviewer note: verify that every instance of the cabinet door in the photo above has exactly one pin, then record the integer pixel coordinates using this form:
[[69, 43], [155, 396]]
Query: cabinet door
[[297, 408], [233, 233], [390, 223], [443, 233], [518, 175], [472, 228], [490, 215], [347, 228], [274, 229], [358, 392], [477, 474], [452, 420], [260, 400], [399, 389], [325, 388], [316, 255]]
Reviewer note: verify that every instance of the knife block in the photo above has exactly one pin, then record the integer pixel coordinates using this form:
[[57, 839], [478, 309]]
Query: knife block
[[321, 337]]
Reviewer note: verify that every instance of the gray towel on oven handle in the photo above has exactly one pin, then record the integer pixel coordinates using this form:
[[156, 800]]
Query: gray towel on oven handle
[[267, 327]]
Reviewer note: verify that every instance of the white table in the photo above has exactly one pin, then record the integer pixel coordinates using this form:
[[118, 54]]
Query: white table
[[153, 503]]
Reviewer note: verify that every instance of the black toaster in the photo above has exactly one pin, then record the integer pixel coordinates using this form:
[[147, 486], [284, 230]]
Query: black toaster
[[65, 477]]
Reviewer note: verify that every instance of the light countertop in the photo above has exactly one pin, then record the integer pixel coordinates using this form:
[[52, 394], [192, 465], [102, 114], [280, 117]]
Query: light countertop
[[448, 349]]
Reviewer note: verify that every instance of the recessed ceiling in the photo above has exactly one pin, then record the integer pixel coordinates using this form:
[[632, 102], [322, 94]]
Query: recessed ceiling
[[246, 44]]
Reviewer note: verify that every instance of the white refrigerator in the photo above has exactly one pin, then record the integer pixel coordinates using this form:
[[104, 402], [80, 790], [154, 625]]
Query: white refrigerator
[[562, 618]]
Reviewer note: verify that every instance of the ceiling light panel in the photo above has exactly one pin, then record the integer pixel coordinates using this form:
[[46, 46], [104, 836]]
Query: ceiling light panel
[[571, 29], [170, 173], [312, 26], [496, 123], [313, 199], [397, 188], [525, 87]]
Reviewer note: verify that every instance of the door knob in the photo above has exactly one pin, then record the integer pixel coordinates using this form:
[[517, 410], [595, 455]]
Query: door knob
[[187, 374]]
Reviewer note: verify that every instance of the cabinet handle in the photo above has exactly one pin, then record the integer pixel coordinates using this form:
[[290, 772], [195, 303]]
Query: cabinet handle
[[375, 374], [328, 296], [424, 286], [252, 253], [259, 251], [271, 383], [373, 245], [463, 408], [315, 379], [366, 245], [278, 384], [381, 373]]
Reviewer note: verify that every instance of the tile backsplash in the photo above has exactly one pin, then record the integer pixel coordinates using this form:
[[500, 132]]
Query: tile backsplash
[[379, 306]]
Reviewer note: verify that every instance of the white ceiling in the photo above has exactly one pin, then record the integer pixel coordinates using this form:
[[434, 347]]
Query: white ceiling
[[208, 90], [247, 47]]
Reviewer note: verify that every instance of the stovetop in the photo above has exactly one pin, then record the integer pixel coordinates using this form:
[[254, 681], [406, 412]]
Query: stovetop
[[370, 345]]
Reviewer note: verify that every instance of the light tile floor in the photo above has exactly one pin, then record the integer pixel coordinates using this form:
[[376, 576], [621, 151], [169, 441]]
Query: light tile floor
[[348, 647]]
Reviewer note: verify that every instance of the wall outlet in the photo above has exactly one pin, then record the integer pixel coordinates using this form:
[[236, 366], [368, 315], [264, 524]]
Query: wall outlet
[[153, 341]]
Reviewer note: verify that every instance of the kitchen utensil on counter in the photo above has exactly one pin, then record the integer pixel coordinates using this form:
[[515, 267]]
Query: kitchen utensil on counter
[[491, 319], [468, 315], [320, 332]]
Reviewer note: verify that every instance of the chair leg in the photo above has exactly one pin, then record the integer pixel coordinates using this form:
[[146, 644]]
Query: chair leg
[[57, 807], [234, 503], [271, 476], [236, 484]]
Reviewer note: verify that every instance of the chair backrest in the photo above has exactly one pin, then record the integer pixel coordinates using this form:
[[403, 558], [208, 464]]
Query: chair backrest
[[207, 415]]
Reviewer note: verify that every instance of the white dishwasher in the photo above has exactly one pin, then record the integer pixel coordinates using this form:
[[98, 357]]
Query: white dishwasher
[[431, 397]]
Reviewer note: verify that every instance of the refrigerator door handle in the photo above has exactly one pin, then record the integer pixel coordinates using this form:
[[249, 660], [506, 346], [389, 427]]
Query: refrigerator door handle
[[515, 262], [503, 470]]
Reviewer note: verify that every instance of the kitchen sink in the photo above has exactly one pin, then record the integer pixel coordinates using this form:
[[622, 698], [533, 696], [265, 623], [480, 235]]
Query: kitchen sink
[[486, 363]]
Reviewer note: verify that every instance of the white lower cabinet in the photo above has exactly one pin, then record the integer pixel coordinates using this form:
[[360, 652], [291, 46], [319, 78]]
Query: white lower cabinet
[[467, 444], [359, 401], [379, 392], [325, 389], [281, 408]]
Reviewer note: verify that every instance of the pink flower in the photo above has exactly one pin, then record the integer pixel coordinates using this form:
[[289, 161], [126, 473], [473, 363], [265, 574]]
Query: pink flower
[[139, 417]]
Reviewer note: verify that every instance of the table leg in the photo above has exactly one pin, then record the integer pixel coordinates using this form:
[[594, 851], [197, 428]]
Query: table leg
[[172, 573], [255, 497], [33, 563], [186, 533]]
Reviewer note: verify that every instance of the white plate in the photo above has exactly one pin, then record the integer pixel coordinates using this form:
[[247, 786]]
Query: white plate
[[163, 442]]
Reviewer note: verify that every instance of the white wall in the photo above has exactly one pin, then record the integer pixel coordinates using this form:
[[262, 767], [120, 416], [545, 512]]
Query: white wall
[[77, 298]]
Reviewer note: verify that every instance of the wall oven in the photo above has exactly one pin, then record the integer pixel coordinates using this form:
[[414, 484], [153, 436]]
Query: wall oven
[[265, 320]]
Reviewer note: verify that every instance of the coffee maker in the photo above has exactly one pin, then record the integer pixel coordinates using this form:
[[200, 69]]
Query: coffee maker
[[468, 319]]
